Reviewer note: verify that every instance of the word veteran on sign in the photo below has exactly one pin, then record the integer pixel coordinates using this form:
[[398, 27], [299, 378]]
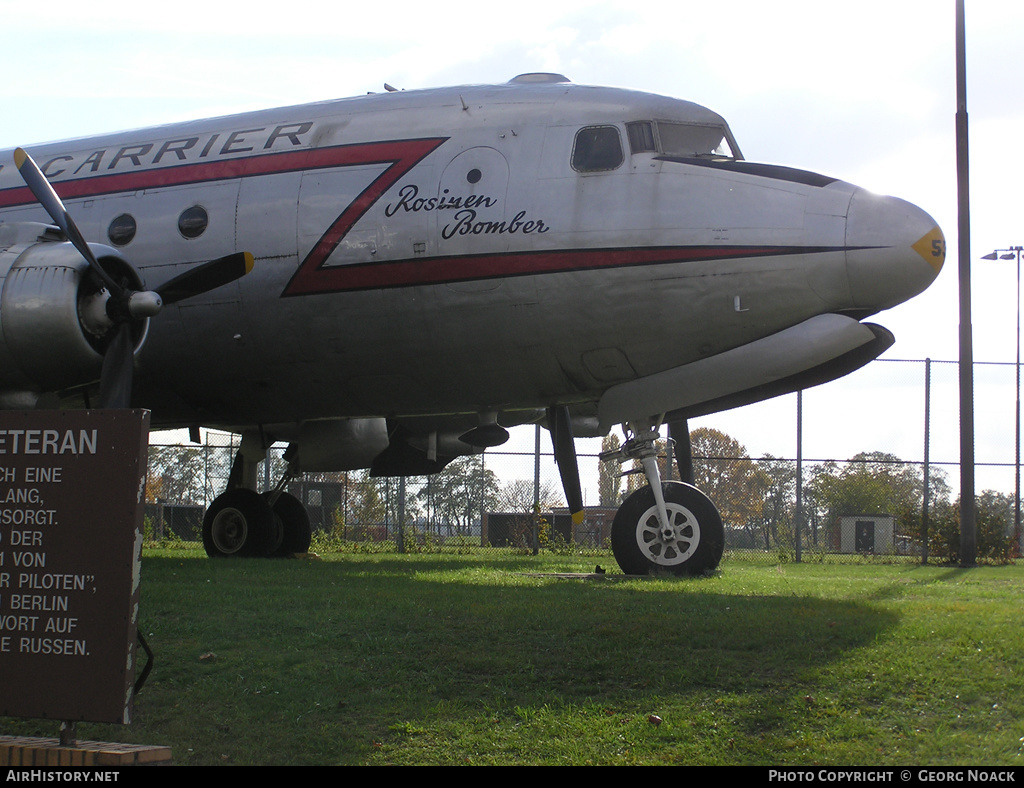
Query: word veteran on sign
[[48, 441]]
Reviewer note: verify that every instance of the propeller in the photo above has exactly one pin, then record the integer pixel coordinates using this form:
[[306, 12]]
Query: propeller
[[124, 305]]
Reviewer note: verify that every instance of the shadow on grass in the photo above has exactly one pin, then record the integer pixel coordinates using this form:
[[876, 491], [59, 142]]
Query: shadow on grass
[[911, 577], [296, 662]]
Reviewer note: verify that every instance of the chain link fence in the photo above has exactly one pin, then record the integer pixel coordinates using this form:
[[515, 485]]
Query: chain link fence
[[864, 468]]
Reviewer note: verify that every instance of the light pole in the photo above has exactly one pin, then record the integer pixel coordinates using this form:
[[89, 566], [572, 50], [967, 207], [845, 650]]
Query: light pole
[[1010, 254]]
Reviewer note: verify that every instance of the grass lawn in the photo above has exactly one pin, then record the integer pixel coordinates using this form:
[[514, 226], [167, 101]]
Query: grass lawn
[[434, 659]]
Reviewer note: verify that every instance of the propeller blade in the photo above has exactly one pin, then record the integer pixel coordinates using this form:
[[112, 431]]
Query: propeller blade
[[118, 368], [565, 458], [47, 197], [679, 432], [207, 276]]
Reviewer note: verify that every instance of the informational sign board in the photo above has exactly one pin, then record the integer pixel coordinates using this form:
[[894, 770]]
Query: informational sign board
[[72, 485]]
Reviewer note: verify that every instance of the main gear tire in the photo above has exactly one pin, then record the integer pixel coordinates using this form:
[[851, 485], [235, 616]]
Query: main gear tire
[[239, 524], [296, 532]]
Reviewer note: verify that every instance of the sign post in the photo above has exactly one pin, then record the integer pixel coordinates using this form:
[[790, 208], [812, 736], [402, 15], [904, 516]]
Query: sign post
[[71, 500]]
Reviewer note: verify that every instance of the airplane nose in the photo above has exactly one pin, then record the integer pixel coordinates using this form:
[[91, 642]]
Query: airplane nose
[[894, 250]]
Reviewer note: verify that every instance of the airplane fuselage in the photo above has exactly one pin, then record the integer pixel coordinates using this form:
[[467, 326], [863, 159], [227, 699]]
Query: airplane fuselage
[[463, 250]]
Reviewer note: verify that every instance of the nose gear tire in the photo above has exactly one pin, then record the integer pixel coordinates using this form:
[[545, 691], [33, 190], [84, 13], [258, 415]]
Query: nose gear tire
[[693, 546]]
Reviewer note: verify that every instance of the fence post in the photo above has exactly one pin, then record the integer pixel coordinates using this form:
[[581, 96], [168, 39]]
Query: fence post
[[927, 458], [536, 489], [400, 537], [480, 483], [207, 496], [798, 525]]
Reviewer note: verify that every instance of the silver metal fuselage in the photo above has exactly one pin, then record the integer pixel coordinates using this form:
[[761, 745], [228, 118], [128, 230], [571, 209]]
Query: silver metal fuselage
[[429, 253]]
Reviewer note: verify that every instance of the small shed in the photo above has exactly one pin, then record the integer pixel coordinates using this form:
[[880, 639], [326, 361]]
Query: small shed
[[867, 533]]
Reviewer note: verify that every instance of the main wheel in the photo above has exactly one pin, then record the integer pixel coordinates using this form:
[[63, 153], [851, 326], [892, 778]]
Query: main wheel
[[694, 545], [296, 532], [239, 523]]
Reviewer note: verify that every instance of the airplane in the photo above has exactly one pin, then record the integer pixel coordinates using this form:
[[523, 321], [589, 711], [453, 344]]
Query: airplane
[[391, 281]]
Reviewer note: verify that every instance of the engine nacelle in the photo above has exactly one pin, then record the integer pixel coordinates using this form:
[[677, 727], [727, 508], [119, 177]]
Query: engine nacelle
[[52, 317]]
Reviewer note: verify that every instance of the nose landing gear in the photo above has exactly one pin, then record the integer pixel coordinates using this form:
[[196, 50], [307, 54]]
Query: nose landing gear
[[691, 543], [667, 526]]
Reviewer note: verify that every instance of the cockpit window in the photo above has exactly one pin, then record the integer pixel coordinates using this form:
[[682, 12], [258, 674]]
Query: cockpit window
[[690, 140], [596, 149], [641, 136]]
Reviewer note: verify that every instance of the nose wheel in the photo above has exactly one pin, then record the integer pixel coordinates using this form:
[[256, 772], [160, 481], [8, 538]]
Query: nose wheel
[[689, 543]]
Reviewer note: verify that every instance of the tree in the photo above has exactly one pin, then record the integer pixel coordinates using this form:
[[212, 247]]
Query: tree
[[994, 523], [457, 495], [176, 474], [518, 494], [363, 509], [724, 471], [779, 504]]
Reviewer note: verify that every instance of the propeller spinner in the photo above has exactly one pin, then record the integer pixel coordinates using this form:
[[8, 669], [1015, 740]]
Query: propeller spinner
[[124, 305]]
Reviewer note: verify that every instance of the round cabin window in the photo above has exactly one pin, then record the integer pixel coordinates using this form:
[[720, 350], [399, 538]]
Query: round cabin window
[[122, 229], [193, 221]]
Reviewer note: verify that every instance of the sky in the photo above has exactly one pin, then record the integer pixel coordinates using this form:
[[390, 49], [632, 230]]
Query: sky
[[862, 91]]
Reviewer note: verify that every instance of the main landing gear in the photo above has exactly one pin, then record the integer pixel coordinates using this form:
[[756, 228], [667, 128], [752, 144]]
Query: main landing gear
[[665, 526], [244, 523]]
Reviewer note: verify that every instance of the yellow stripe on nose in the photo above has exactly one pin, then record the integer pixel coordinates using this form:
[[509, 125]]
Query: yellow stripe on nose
[[932, 247]]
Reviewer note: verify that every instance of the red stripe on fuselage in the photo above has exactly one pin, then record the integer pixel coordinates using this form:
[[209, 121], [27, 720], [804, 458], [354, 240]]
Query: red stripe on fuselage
[[439, 270], [403, 155]]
